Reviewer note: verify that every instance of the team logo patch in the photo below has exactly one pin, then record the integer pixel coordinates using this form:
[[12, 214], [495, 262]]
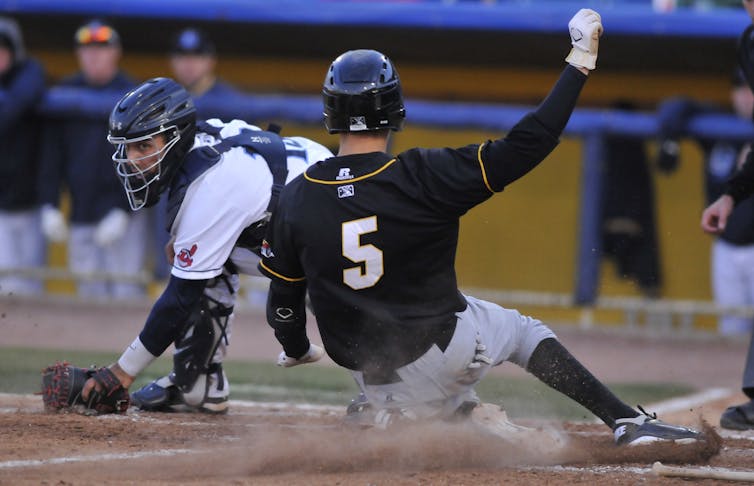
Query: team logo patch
[[265, 250], [185, 256], [345, 191], [357, 123]]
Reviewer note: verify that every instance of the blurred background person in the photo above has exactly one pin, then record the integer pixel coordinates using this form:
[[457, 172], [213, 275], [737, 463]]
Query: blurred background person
[[732, 259], [193, 59], [22, 84], [104, 235]]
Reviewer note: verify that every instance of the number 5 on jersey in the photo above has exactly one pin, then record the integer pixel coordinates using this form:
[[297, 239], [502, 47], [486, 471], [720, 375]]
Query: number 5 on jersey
[[369, 256]]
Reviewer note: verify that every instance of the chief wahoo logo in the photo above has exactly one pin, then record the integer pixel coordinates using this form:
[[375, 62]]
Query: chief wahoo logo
[[185, 257]]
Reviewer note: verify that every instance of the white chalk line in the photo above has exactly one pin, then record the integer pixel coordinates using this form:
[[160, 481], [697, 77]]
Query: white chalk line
[[690, 401], [95, 457]]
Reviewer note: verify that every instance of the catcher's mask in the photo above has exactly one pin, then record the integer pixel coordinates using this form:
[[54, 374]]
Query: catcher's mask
[[156, 120], [362, 92]]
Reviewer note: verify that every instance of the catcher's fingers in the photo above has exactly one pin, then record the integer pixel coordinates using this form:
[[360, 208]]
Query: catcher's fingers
[[89, 386]]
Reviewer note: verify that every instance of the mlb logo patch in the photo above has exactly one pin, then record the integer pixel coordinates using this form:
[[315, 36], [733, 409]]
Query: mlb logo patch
[[345, 191], [357, 123]]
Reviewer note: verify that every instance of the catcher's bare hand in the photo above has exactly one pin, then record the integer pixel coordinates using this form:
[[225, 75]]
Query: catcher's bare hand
[[91, 384], [715, 217]]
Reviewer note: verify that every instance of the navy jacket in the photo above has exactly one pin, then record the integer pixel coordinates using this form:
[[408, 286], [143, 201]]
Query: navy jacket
[[21, 88]]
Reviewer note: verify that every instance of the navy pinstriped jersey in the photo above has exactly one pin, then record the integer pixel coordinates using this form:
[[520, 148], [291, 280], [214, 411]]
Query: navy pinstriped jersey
[[374, 239]]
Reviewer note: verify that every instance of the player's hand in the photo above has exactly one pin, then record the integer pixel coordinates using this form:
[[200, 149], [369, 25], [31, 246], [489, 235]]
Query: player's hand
[[54, 226], [314, 353], [585, 28], [715, 217]]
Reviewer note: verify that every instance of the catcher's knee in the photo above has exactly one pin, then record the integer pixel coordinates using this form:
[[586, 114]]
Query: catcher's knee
[[206, 328]]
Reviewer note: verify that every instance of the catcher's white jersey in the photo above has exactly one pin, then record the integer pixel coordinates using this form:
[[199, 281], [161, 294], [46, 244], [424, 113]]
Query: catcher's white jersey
[[225, 199]]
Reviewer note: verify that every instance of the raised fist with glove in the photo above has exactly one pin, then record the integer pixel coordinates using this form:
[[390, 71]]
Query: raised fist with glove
[[585, 28], [111, 228], [54, 226], [63, 387]]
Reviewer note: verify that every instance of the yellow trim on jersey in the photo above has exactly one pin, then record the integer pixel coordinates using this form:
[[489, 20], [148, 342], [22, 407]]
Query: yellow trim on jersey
[[355, 179], [481, 166], [283, 277]]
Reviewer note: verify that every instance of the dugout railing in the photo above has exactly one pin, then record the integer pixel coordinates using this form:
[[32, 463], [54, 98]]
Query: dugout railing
[[589, 125]]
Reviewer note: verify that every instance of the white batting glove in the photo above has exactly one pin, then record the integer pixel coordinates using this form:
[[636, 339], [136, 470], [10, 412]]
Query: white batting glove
[[315, 353], [585, 28], [54, 226], [111, 228]]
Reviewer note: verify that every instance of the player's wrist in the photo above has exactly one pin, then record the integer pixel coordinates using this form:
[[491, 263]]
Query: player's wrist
[[125, 379]]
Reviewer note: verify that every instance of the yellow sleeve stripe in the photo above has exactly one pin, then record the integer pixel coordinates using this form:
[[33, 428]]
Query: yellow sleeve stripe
[[355, 179], [481, 166], [282, 277]]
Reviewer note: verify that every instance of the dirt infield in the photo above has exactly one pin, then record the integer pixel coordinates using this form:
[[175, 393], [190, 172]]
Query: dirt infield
[[286, 444]]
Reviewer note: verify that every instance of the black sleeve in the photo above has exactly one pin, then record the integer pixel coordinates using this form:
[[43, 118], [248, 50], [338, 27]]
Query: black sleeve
[[532, 139], [553, 113], [286, 314], [170, 313], [741, 184]]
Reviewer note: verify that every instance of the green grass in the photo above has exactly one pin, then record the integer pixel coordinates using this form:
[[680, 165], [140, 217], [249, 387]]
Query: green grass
[[263, 381]]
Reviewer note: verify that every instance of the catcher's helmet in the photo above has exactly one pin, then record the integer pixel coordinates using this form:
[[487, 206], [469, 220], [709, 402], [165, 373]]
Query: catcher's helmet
[[362, 92], [157, 106]]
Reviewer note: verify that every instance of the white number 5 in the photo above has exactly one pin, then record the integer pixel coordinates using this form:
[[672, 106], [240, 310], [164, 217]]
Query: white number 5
[[365, 276]]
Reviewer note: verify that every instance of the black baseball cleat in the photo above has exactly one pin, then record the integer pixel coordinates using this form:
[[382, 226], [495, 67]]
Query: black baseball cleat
[[647, 429], [739, 417]]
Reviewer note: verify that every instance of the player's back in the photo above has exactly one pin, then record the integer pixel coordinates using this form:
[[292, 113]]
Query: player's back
[[377, 238]]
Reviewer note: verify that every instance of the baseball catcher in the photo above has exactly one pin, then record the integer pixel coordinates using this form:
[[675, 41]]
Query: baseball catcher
[[222, 182], [62, 386]]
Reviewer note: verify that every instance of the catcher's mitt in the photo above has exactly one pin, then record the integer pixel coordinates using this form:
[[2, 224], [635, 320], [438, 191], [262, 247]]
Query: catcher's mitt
[[62, 385]]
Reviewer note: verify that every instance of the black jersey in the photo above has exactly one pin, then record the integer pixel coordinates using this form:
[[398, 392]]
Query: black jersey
[[374, 239]]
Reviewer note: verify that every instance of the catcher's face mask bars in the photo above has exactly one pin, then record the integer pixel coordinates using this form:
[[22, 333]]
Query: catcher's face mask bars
[[137, 162]]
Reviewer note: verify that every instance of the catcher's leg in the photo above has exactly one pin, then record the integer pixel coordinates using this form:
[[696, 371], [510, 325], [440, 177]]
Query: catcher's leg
[[197, 381]]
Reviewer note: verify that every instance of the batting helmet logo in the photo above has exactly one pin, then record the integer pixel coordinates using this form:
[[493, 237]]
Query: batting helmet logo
[[185, 257]]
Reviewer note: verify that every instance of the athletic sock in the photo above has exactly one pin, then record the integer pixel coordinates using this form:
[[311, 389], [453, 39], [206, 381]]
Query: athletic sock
[[552, 364]]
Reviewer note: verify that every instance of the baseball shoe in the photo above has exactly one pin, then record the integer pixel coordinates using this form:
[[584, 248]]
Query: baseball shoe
[[739, 417], [646, 429], [209, 395], [314, 353], [159, 396], [360, 412]]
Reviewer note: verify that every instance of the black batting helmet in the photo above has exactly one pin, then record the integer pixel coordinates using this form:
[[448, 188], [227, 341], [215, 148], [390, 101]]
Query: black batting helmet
[[157, 106], [362, 92]]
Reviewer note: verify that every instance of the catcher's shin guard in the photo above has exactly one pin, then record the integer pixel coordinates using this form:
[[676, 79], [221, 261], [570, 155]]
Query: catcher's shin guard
[[195, 348]]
